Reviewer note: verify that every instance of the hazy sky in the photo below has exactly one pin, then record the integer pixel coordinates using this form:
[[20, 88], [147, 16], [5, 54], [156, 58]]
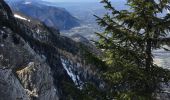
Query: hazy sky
[[77, 0], [81, 0]]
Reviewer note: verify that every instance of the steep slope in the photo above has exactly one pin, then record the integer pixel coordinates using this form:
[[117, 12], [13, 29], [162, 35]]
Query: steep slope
[[36, 63], [52, 16], [18, 61]]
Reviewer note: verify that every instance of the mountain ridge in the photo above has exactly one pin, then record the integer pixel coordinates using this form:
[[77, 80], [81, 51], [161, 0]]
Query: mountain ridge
[[56, 17], [37, 65]]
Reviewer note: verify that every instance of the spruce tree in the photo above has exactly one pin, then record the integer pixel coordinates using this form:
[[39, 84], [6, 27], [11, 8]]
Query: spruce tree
[[127, 42]]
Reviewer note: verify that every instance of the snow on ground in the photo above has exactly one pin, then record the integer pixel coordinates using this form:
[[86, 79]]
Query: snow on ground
[[20, 17], [68, 67]]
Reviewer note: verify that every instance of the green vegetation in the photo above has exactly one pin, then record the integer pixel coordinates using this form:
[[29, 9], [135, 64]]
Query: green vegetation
[[129, 38]]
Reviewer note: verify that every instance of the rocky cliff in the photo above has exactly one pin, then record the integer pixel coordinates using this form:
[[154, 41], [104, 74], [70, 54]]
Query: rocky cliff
[[36, 63]]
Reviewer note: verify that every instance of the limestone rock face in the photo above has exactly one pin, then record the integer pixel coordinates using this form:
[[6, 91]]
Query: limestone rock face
[[36, 79], [24, 75], [11, 88], [13, 55]]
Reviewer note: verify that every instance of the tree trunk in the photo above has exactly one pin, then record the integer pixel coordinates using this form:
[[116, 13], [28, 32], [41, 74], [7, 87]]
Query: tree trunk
[[149, 59], [148, 65]]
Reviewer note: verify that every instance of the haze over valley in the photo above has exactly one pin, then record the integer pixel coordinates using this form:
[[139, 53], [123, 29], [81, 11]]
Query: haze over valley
[[78, 17], [85, 11]]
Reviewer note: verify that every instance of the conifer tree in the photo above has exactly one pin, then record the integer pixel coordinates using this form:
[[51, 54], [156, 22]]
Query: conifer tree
[[128, 40]]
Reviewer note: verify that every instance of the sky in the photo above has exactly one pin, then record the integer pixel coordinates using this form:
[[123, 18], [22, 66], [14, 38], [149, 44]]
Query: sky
[[73, 0], [69, 0], [80, 0]]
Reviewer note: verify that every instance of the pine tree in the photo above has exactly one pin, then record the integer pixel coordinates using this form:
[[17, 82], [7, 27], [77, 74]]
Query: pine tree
[[128, 40]]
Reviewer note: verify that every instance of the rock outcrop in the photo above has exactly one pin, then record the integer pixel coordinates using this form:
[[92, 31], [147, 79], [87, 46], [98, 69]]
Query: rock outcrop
[[18, 62], [36, 63], [37, 81], [10, 86]]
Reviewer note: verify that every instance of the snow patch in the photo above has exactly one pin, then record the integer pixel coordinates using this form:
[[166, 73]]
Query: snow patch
[[27, 2], [2, 45], [68, 67], [38, 31], [20, 17], [2, 31], [168, 11]]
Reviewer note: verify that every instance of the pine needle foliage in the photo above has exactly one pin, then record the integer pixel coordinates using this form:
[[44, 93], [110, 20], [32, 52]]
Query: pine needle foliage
[[128, 40]]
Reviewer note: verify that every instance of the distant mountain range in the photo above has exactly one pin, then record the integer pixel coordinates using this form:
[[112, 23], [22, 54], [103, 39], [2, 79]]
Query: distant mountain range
[[56, 17]]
